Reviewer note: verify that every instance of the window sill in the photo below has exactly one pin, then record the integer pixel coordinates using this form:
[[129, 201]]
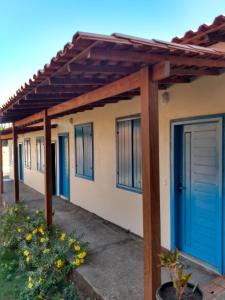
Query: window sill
[[85, 177], [129, 189]]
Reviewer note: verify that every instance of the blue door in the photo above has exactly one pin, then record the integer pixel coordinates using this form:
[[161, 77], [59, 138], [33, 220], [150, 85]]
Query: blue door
[[21, 177], [64, 165], [200, 189]]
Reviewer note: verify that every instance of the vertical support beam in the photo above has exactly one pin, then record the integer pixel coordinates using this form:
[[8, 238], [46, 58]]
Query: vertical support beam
[[150, 177], [1, 169], [15, 164], [48, 169]]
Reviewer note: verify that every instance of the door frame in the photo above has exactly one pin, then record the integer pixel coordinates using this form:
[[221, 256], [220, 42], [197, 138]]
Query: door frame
[[56, 169], [64, 134], [20, 156], [175, 131]]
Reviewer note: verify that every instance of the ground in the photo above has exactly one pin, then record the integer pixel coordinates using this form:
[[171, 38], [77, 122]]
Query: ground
[[114, 269]]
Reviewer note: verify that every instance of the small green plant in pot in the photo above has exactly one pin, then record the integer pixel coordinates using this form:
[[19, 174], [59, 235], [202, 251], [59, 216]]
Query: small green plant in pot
[[179, 287]]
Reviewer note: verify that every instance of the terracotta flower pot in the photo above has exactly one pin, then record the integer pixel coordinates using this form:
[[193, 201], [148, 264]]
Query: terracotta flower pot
[[167, 292]]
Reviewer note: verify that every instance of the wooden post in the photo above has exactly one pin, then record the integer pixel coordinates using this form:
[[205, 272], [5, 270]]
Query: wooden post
[[15, 163], [150, 177], [1, 169], [48, 169]]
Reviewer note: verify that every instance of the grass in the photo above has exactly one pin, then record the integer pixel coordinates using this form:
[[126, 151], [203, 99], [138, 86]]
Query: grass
[[11, 281]]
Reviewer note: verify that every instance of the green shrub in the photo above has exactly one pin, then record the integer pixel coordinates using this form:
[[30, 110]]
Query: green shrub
[[46, 254]]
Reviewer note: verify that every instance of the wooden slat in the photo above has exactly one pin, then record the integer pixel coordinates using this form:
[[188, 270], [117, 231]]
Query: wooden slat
[[193, 72], [15, 164], [117, 87], [1, 169], [48, 169], [62, 81], [150, 178], [161, 70], [30, 120], [60, 89], [103, 69], [149, 58]]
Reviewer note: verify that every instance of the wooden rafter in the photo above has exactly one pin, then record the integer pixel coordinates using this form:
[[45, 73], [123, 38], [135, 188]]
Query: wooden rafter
[[150, 58]]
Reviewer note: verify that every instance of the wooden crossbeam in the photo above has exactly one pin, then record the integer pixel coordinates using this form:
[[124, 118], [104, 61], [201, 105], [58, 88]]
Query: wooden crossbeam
[[115, 88], [161, 71], [62, 81], [106, 69], [30, 119], [59, 89], [149, 58], [194, 72], [49, 97]]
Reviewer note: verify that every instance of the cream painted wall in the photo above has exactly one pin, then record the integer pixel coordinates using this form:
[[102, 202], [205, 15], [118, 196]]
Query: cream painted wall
[[204, 96], [100, 196]]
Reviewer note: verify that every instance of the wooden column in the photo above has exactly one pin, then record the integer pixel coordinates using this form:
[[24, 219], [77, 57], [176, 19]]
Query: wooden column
[[48, 169], [150, 177], [1, 169], [15, 164]]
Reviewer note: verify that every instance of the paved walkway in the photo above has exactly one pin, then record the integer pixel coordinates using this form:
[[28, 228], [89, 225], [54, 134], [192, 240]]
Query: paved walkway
[[114, 268]]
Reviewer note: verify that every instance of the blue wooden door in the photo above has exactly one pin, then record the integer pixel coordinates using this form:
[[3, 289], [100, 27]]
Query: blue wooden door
[[64, 165], [201, 193], [21, 176]]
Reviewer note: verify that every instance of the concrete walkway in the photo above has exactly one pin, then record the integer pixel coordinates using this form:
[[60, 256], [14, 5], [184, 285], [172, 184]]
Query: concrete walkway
[[114, 267]]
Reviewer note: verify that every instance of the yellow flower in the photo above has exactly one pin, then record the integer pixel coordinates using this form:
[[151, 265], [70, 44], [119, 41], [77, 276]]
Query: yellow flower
[[29, 279], [82, 254], [76, 262], [46, 251], [28, 218], [15, 209], [30, 285], [43, 240], [77, 247], [71, 241], [63, 236], [29, 237], [59, 263], [26, 253], [27, 259], [81, 260], [41, 230], [20, 230], [34, 231]]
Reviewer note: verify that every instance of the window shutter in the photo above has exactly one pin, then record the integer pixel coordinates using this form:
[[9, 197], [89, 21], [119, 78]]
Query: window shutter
[[137, 169], [88, 151], [124, 153], [79, 150]]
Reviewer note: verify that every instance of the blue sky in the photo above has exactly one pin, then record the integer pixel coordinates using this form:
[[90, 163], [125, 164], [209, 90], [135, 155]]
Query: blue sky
[[32, 31]]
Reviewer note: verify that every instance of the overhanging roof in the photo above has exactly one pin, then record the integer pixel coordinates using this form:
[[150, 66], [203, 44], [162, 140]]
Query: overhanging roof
[[92, 60], [205, 35]]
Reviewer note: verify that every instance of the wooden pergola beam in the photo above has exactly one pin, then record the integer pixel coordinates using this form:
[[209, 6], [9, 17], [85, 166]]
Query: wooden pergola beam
[[48, 169], [194, 72], [15, 164], [103, 69], [30, 120], [59, 89], [149, 58], [1, 169], [62, 81], [150, 179], [112, 89]]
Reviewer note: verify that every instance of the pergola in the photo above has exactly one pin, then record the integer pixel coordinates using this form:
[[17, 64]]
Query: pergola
[[95, 70]]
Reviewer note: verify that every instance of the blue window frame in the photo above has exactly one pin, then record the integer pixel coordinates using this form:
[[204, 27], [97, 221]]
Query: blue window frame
[[27, 153], [40, 154], [84, 151], [129, 169]]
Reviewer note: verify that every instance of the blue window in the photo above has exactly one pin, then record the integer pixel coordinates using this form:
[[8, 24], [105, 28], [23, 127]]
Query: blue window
[[27, 153], [40, 154], [84, 151], [129, 170]]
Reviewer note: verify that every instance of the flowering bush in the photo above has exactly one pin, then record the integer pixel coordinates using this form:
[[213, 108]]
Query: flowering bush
[[47, 255]]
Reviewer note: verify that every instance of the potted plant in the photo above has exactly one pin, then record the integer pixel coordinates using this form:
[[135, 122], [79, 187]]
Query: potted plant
[[179, 287]]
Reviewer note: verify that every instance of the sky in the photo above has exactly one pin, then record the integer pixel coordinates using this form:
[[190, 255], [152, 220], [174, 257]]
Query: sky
[[33, 31]]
